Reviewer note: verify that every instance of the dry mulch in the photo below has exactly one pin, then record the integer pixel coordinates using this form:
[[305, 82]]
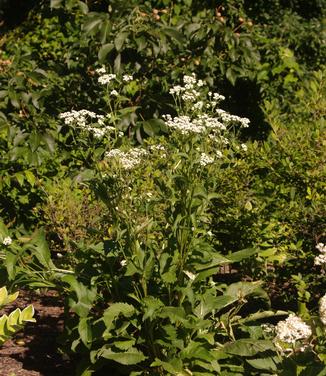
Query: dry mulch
[[33, 351]]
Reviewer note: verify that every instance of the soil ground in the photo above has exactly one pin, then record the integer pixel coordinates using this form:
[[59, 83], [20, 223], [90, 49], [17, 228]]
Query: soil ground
[[33, 351]]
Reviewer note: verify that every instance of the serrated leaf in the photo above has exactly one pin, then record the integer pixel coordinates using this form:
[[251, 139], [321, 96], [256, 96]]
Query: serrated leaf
[[124, 344], [151, 307], [116, 309]]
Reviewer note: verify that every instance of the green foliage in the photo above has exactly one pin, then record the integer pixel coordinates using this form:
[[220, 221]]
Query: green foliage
[[16, 319]]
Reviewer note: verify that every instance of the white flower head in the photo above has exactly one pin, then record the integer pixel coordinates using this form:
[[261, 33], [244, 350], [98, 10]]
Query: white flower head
[[322, 309], [292, 329], [106, 78], [320, 259], [7, 240], [128, 160], [205, 159], [127, 78]]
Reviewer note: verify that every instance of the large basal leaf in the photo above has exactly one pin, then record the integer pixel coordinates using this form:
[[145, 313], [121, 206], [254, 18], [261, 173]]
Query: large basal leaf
[[248, 347], [130, 357]]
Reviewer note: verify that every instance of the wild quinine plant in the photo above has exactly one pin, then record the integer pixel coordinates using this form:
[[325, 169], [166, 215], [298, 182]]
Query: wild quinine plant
[[151, 298]]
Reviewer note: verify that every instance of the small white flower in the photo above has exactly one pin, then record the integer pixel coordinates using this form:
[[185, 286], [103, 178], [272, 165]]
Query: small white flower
[[244, 147], [7, 240], [100, 70], [114, 92], [123, 262]]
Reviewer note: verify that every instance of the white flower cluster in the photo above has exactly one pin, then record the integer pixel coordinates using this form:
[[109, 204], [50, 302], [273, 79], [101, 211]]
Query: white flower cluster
[[129, 159], [228, 118], [292, 329], [7, 240], [205, 159], [82, 119], [105, 78], [157, 147], [202, 124], [321, 258], [322, 309], [189, 91]]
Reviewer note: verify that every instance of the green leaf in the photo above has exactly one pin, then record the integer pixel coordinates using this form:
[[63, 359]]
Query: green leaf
[[241, 255], [85, 331], [173, 33], [266, 364], [41, 250], [56, 3], [151, 307], [209, 303], [20, 178], [130, 357], [125, 344], [30, 177], [248, 347], [153, 127], [116, 309], [175, 314], [231, 75], [91, 25], [241, 290], [117, 63], [119, 40], [104, 51], [174, 366]]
